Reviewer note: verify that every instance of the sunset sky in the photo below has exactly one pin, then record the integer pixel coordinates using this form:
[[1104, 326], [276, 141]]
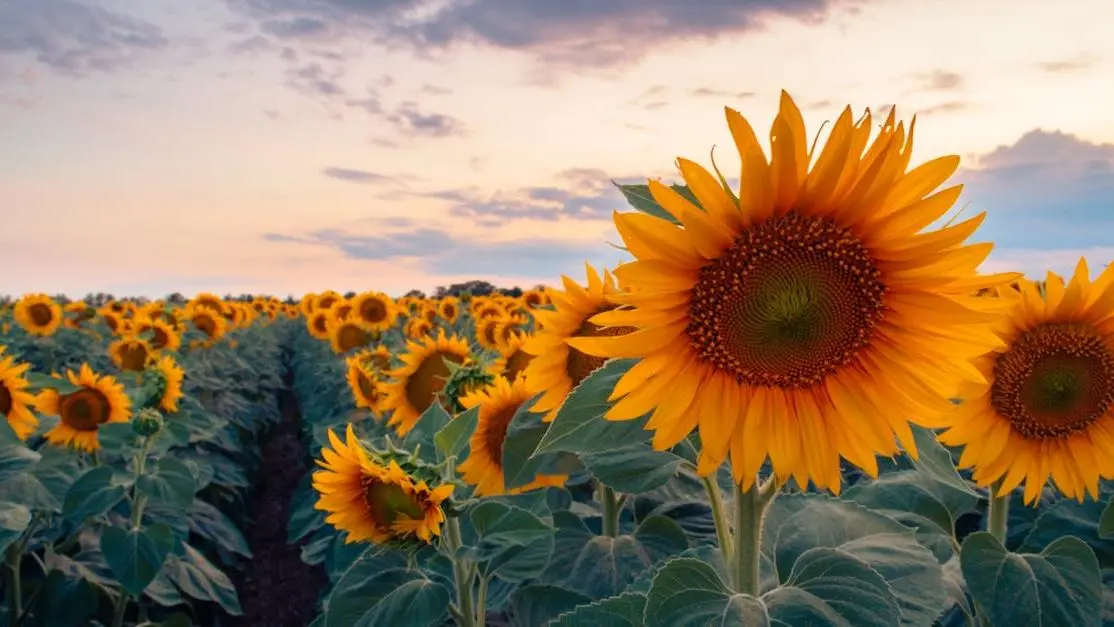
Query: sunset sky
[[286, 146]]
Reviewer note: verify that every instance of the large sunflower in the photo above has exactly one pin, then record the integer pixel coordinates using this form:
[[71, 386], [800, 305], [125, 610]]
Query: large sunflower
[[809, 317], [498, 404], [373, 502], [558, 367], [1047, 407], [172, 376], [98, 400], [15, 400], [38, 314], [416, 384], [131, 353]]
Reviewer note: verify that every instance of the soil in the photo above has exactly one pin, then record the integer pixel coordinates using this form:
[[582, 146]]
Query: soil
[[278, 589]]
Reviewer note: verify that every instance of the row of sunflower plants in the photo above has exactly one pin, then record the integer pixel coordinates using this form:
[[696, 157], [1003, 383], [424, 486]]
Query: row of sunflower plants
[[129, 441], [794, 407]]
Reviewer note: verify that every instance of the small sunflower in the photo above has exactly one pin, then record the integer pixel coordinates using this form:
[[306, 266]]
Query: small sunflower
[[374, 502], [77, 314], [532, 299], [365, 383], [207, 321], [376, 310], [163, 334], [513, 360], [1048, 405], [417, 328], [205, 300], [326, 299], [486, 328], [99, 400], [347, 334], [416, 384], [38, 314], [318, 324], [15, 401], [449, 309], [557, 367], [131, 354], [483, 307], [498, 403], [807, 317], [172, 376], [308, 304], [511, 327], [377, 358]]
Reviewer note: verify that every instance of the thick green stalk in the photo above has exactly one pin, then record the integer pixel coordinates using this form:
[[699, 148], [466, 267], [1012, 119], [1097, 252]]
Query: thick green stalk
[[139, 501], [719, 517], [461, 573], [121, 609], [14, 584], [750, 512], [610, 510], [998, 517], [481, 603]]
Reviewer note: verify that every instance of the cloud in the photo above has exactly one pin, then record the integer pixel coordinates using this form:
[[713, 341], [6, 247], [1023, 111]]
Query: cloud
[[706, 92], [939, 80], [570, 33], [1048, 190], [73, 38], [1073, 64], [410, 120], [357, 176], [950, 106]]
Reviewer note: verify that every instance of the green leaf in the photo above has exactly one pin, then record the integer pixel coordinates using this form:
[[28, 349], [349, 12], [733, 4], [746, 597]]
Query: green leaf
[[15, 458], [508, 541], [136, 555], [537, 604], [913, 574], [116, 437], [171, 482], [212, 524], [14, 519], [81, 599], [1061, 585], [624, 610], [687, 591], [830, 587], [937, 461], [198, 578], [379, 589], [520, 466], [1106, 521], [1067, 517], [453, 438], [423, 435], [579, 426], [605, 566], [640, 198], [25, 488], [632, 470], [38, 382], [93, 494]]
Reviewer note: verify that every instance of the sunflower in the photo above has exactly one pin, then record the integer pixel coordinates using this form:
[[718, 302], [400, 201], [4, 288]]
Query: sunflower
[[373, 502], [1047, 407], [318, 324], [417, 328], [513, 360], [486, 328], [557, 367], [378, 358], [347, 334], [376, 310], [532, 299], [807, 318], [510, 327], [205, 300], [163, 334], [234, 315], [38, 314], [326, 299], [207, 321], [498, 403], [15, 401], [97, 401], [342, 309], [131, 353], [366, 386], [416, 384], [172, 376], [77, 313], [483, 307], [308, 304], [449, 309]]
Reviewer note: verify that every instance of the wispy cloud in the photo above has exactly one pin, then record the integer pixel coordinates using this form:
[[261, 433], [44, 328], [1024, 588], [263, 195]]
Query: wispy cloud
[[358, 176]]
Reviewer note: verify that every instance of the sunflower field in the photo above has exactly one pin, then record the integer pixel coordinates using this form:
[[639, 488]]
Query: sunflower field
[[798, 404]]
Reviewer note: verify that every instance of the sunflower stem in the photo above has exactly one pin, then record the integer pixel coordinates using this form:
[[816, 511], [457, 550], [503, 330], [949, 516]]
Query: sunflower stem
[[610, 509], [121, 609], [481, 603], [750, 512], [14, 584], [998, 517], [461, 574], [719, 516]]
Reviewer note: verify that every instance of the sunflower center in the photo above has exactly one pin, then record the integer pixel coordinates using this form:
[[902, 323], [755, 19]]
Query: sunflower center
[[40, 314], [516, 364], [321, 324], [388, 502], [489, 329], [496, 432], [5, 400], [350, 336], [84, 409], [368, 389], [205, 324], [134, 356], [579, 365], [1054, 381], [373, 310], [429, 379], [160, 338], [448, 311], [793, 300]]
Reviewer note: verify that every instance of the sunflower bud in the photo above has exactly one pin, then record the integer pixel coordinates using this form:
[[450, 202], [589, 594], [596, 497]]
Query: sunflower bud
[[464, 379], [147, 422]]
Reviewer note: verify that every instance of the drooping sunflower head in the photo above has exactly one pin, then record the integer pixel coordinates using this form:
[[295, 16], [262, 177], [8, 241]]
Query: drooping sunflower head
[[346, 334], [373, 501], [532, 299], [112, 320], [206, 300], [15, 401], [308, 304], [486, 329], [342, 310], [449, 309], [416, 384], [207, 321], [77, 314], [1047, 407], [509, 328], [163, 335], [498, 403], [171, 377], [365, 383], [558, 367], [806, 317], [98, 400], [38, 314], [234, 315], [318, 324], [417, 328], [376, 310], [513, 359], [131, 354]]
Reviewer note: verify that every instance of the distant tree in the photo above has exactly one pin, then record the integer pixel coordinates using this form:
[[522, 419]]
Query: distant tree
[[176, 298], [414, 294], [350, 294]]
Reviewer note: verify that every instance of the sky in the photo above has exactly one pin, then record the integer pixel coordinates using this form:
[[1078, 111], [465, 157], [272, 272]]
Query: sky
[[290, 146]]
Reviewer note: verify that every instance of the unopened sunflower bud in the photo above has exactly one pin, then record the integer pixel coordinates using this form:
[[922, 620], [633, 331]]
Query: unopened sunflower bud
[[147, 422]]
